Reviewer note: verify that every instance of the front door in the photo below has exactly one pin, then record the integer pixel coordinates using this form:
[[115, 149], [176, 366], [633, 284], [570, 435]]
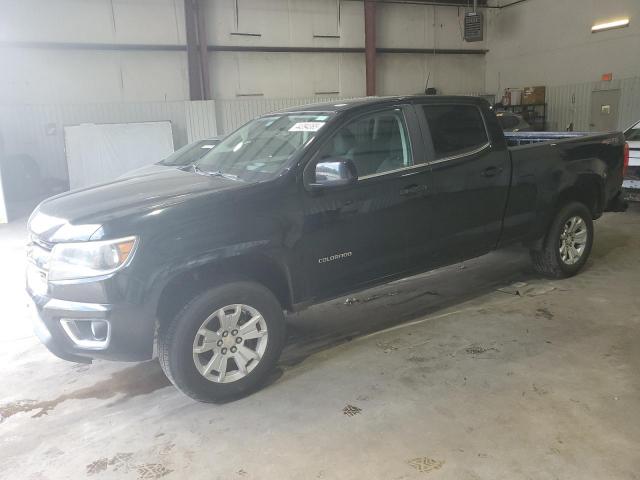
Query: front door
[[604, 110], [356, 235]]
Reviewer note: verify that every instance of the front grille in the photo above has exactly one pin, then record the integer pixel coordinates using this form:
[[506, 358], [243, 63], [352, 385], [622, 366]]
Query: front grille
[[39, 253]]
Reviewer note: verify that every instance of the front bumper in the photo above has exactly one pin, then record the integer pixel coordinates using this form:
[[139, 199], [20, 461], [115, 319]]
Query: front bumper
[[131, 326], [55, 342]]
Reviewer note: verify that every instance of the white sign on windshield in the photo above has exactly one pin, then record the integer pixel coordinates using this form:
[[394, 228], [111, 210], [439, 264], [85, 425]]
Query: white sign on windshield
[[207, 147], [307, 127]]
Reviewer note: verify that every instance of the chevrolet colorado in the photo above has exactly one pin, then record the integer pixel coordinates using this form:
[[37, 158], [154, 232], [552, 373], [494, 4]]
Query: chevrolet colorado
[[196, 265]]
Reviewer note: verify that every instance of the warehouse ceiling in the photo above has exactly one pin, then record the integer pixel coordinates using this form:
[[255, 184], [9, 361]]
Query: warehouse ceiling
[[462, 3]]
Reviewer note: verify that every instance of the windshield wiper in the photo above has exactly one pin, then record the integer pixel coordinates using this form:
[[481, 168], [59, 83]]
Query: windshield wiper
[[215, 173]]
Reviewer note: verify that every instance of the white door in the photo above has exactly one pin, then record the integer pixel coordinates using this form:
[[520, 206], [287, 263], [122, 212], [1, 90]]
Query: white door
[[604, 110], [101, 153]]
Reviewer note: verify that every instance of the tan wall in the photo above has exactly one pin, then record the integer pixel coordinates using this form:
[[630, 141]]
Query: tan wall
[[549, 42]]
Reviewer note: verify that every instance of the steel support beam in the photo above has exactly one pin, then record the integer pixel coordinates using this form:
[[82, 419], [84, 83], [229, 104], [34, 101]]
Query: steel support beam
[[370, 45], [142, 47], [204, 50], [193, 52]]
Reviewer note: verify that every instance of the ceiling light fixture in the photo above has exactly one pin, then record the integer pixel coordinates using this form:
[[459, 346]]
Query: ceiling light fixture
[[600, 27]]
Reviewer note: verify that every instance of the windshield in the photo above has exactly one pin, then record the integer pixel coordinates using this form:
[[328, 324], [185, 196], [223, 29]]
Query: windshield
[[261, 149], [189, 153]]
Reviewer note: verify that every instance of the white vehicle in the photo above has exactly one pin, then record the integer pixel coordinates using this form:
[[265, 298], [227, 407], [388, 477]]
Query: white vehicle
[[632, 178]]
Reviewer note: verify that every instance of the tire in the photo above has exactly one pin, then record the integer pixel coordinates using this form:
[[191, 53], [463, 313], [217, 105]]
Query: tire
[[549, 261], [182, 342]]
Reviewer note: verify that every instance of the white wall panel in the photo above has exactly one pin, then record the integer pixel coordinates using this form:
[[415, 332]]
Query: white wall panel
[[38, 76], [421, 26], [149, 21], [153, 76], [93, 21], [406, 74], [351, 23], [277, 75], [57, 21], [281, 22], [352, 75]]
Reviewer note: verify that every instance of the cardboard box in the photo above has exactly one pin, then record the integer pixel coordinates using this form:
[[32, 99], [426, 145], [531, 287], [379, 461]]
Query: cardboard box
[[533, 95]]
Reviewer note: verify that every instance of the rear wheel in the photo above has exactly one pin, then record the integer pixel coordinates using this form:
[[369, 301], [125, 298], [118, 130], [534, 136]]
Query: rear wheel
[[567, 244], [224, 342]]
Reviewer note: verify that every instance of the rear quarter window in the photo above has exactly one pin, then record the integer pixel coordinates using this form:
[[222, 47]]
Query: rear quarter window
[[455, 129]]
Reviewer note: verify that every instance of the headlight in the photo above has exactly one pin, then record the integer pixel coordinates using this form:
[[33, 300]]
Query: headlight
[[72, 261]]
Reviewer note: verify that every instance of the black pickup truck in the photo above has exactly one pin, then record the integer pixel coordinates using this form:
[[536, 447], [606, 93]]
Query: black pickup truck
[[197, 265]]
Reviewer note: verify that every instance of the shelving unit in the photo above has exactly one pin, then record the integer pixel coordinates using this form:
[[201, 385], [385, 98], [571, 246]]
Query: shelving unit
[[534, 114]]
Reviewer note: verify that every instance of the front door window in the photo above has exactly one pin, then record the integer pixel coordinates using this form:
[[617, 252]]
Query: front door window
[[376, 144]]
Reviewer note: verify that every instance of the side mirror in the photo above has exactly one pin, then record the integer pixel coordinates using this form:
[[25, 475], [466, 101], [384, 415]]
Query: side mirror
[[334, 172]]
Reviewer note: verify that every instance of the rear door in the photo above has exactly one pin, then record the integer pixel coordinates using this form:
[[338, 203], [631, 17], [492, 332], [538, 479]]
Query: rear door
[[468, 183]]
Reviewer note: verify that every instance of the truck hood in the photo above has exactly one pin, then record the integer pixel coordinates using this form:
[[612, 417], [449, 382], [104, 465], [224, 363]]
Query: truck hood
[[146, 170], [78, 215]]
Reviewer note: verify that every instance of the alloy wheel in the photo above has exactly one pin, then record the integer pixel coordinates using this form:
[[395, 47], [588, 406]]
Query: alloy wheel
[[230, 343], [573, 240]]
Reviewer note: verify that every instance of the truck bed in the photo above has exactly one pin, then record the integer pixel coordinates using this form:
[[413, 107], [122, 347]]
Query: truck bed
[[515, 139], [631, 183]]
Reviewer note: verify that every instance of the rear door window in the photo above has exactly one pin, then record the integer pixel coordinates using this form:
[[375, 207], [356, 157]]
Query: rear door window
[[455, 129]]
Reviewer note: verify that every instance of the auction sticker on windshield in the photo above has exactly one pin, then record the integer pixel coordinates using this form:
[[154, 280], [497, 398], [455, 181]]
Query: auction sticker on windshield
[[307, 127]]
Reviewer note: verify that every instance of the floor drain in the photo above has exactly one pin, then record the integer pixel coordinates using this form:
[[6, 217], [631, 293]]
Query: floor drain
[[351, 410], [425, 464]]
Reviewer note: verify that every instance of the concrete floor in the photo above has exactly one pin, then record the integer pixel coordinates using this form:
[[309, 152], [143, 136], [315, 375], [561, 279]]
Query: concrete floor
[[445, 376]]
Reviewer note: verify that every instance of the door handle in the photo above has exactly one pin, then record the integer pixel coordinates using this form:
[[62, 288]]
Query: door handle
[[491, 171], [349, 207], [413, 190]]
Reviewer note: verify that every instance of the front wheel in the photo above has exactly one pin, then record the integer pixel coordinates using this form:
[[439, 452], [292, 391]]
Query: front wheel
[[224, 342], [567, 244]]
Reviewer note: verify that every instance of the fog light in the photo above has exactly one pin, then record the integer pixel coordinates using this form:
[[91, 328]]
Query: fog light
[[89, 333], [99, 329]]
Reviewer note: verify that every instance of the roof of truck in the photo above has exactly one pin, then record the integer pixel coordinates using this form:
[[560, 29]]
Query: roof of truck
[[348, 104]]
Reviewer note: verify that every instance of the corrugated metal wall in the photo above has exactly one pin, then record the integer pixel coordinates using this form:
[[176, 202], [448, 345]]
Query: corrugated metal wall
[[38, 130], [236, 112], [572, 103]]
